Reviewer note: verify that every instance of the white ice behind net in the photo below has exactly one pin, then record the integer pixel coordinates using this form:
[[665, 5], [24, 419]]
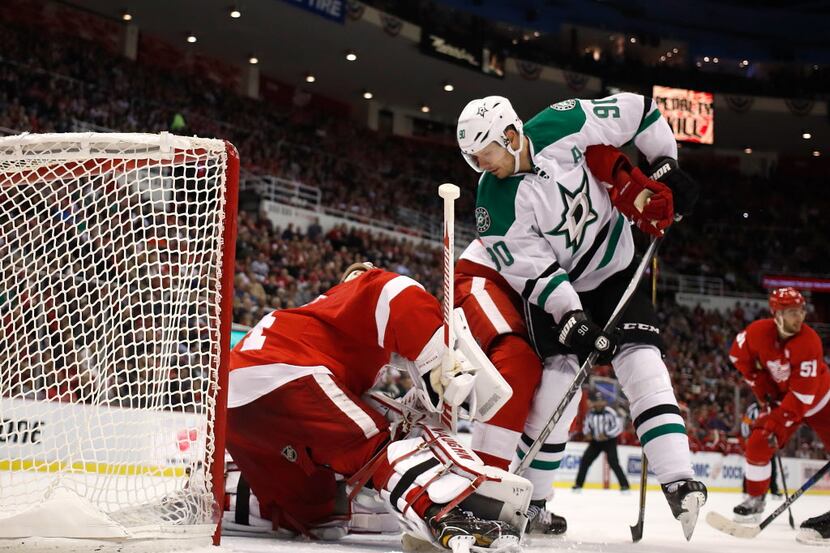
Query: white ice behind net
[[110, 273]]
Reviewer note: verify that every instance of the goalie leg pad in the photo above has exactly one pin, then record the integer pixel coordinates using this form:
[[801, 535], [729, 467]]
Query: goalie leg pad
[[433, 468]]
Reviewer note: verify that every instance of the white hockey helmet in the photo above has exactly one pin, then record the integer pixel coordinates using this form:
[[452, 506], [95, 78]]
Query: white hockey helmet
[[486, 120]]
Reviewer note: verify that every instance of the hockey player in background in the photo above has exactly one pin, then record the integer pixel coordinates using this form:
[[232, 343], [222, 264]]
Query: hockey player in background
[[296, 420], [782, 360], [559, 237]]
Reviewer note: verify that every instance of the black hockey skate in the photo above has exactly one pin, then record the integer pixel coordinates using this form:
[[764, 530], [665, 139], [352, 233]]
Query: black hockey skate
[[458, 525], [542, 521], [685, 498], [815, 531], [750, 510]]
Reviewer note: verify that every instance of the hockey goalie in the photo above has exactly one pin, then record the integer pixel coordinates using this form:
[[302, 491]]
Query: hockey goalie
[[306, 443]]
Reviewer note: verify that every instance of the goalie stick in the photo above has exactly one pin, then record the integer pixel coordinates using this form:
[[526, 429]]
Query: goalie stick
[[449, 193], [723, 524]]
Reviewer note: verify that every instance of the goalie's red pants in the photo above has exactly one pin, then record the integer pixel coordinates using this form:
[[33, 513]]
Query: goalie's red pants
[[759, 453], [290, 442], [493, 313]]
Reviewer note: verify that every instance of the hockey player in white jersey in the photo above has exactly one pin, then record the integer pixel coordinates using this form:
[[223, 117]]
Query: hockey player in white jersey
[[558, 235]]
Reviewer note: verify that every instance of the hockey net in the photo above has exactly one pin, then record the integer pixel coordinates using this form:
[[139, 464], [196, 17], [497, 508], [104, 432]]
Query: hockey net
[[116, 268]]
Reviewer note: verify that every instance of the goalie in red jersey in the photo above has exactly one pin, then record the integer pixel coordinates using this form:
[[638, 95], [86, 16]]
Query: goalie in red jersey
[[782, 359], [297, 424]]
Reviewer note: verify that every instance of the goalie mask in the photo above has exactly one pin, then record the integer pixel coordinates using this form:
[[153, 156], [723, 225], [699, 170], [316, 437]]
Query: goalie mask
[[355, 270], [486, 120]]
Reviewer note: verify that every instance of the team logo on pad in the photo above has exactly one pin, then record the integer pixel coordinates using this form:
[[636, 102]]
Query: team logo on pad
[[289, 453], [482, 219]]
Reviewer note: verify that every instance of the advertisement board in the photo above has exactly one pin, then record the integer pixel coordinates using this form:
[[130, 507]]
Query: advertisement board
[[690, 113]]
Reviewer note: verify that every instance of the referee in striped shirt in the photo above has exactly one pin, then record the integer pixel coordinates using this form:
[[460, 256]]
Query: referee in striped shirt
[[602, 426]]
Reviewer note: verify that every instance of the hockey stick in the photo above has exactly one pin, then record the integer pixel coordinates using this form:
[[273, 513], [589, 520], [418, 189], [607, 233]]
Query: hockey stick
[[449, 192], [637, 529], [777, 460], [723, 524], [780, 463], [582, 373]]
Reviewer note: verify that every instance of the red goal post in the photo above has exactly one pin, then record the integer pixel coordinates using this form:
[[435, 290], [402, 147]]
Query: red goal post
[[116, 295]]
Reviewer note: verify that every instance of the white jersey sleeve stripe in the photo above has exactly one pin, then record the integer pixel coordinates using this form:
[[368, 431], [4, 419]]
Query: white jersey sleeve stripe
[[489, 306], [346, 405], [390, 290], [247, 384], [804, 398]]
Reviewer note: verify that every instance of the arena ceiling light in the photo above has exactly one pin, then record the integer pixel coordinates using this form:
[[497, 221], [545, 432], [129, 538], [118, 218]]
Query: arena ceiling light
[[351, 55], [191, 38], [235, 13], [127, 16], [747, 150], [448, 87], [253, 60], [806, 136], [309, 78], [368, 95], [424, 108], [816, 153]]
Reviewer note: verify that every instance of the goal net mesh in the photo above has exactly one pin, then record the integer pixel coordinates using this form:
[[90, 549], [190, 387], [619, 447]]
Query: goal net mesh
[[111, 258]]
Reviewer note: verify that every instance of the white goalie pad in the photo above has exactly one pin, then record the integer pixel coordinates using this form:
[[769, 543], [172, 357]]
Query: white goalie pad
[[491, 389], [453, 475]]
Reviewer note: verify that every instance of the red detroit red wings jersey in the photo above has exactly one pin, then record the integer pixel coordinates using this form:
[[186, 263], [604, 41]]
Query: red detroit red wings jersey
[[350, 331], [792, 371]]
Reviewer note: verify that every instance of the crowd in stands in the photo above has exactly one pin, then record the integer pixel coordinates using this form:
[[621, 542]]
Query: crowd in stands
[[620, 63], [66, 84], [70, 84]]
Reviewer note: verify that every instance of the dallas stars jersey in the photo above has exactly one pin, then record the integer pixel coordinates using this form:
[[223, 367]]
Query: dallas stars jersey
[[553, 232]]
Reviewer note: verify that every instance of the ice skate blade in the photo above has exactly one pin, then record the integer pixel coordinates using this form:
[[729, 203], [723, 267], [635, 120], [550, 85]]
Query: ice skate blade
[[691, 505], [810, 536]]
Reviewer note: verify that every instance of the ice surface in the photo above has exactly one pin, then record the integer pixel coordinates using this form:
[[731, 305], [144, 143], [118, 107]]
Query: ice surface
[[598, 521]]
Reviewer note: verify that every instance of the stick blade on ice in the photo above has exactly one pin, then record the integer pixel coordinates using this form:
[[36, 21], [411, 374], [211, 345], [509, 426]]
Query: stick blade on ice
[[723, 524]]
